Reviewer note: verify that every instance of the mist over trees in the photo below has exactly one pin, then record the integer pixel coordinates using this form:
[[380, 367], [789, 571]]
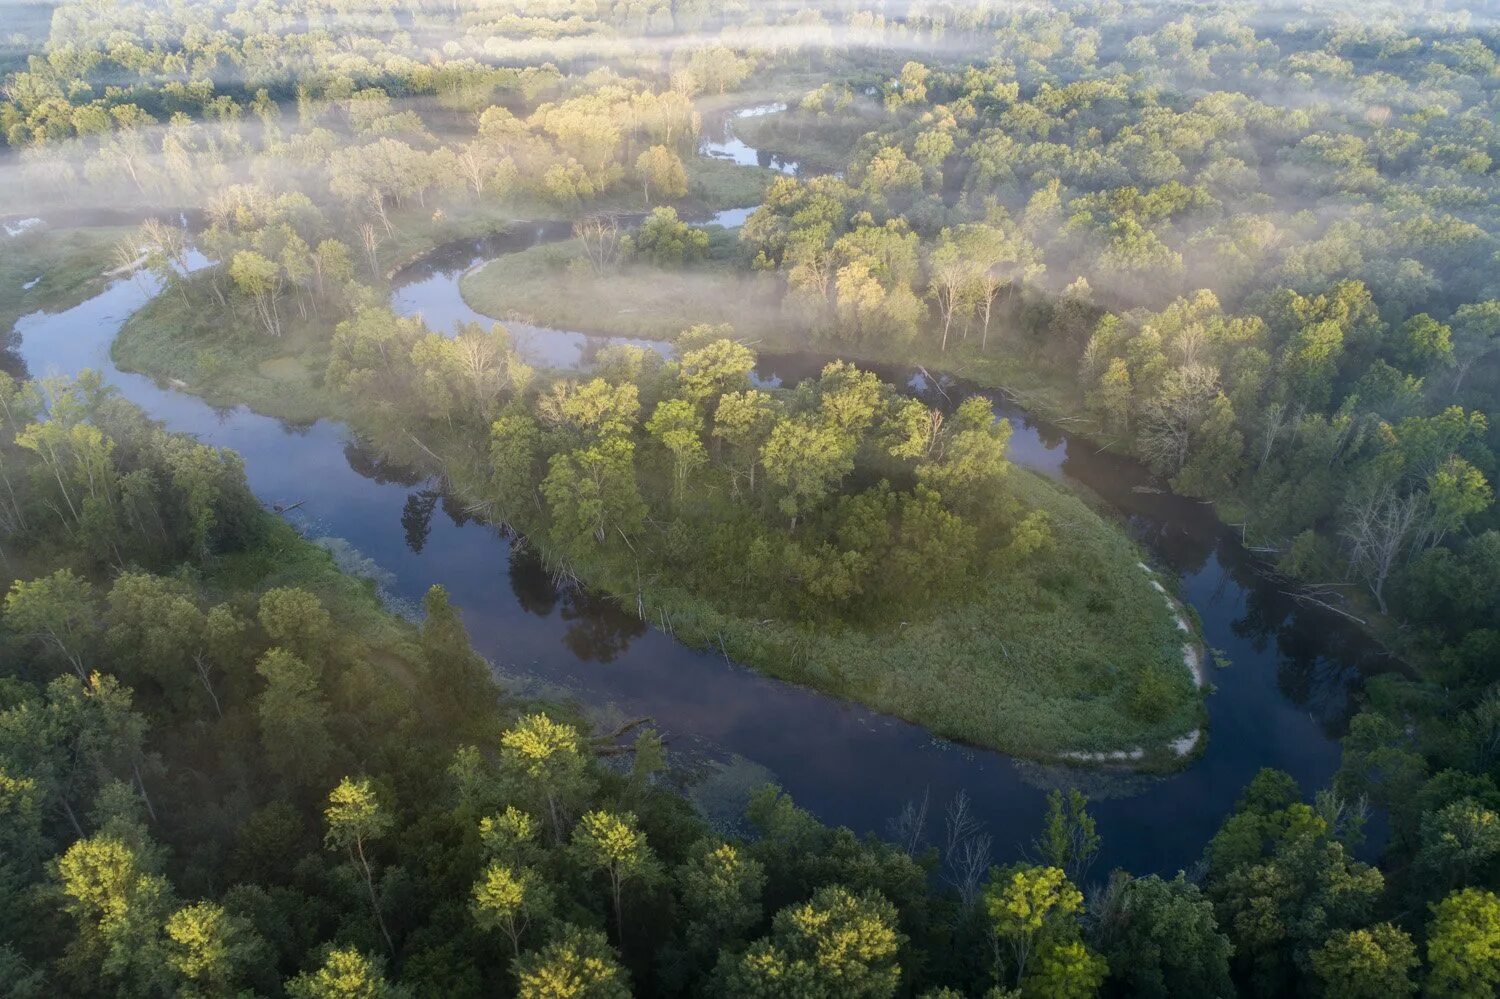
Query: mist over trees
[[1253, 247]]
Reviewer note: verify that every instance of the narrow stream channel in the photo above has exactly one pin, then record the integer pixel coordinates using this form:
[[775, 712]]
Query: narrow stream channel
[[1282, 703]]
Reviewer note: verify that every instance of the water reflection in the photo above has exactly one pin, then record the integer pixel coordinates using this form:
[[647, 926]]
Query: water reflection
[[416, 518]]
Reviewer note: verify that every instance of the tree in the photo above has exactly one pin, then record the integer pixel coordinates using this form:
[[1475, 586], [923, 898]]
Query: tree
[[950, 275], [1424, 344], [1068, 839], [543, 755], [837, 943], [592, 493], [612, 844], [1161, 939], [676, 426], [1378, 528], [1031, 908], [509, 899], [1476, 335], [293, 719], [705, 374], [666, 241], [261, 279], [577, 964], [805, 458], [743, 421], [344, 974], [60, 612], [355, 818], [661, 168], [720, 886], [970, 462], [212, 949], [1371, 963], [297, 621], [119, 903], [1463, 944], [456, 672]]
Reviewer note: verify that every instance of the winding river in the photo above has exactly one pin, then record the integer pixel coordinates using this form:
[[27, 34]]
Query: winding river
[[1281, 703]]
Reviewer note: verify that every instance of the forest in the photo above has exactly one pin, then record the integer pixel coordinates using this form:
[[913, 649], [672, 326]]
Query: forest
[[754, 327]]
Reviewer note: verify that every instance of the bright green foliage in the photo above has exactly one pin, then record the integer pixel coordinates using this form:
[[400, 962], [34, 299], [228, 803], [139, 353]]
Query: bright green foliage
[[676, 426], [544, 757], [805, 459], [592, 493], [345, 974], [1064, 970], [509, 900], [661, 173], [707, 373], [1463, 944], [836, 944], [578, 964], [210, 948], [612, 843], [355, 820], [667, 241], [1032, 909], [1368, 963], [119, 905]]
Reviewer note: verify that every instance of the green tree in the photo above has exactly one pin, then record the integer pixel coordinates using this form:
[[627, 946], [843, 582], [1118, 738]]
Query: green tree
[[676, 426], [212, 949], [577, 964], [1161, 939], [666, 241], [706, 373], [509, 899], [1031, 909], [721, 887], [119, 904], [1476, 335], [1463, 945], [592, 493], [835, 944], [59, 612], [545, 757], [1368, 963], [293, 719], [661, 170], [355, 819], [296, 620], [805, 458], [612, 843], [344, 974], [744, 421], [1069, 839]]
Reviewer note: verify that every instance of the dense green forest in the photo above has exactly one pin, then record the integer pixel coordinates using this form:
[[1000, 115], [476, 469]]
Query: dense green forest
[[1254, 247]]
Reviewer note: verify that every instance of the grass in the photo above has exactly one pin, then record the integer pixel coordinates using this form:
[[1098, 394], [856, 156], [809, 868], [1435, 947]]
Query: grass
[[1052, 656], [541, 284], [66, 265], [544, 285], [229, 362]]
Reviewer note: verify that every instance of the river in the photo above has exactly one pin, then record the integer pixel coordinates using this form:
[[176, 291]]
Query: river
[[1282, 703]]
